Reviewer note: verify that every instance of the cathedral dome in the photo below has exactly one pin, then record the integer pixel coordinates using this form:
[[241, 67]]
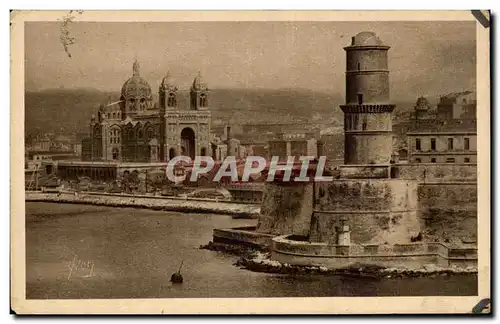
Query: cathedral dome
[[136, 86]]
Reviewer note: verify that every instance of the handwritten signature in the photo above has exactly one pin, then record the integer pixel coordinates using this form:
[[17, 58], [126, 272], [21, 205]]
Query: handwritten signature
[[85, 268]]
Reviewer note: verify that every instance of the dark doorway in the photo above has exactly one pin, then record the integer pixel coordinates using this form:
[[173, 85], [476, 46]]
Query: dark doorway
[[171, 153], [360, 98], [116, 154], [188, 142]]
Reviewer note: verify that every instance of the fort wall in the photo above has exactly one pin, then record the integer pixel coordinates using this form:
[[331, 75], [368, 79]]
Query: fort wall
[[411, 255], [376, 211], [425, 172], [286, 209]]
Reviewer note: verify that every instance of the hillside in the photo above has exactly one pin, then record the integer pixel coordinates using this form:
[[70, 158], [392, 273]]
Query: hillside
[[68, 111]]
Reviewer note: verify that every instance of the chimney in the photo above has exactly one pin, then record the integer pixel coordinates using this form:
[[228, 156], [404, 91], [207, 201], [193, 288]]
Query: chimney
[[228, 139]]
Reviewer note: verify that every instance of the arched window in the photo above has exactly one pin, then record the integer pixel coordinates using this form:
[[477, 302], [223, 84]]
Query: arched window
[[203, 151], [171, 100], [150, 133], [116, 154], [203, 100], [139, 133], [132, 103], [114, 136], [131, 134]]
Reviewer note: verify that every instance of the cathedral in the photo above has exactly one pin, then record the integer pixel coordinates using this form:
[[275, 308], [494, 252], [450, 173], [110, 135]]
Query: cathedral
[[134, 129]]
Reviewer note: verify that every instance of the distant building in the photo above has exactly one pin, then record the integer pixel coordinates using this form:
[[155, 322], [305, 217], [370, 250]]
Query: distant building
[[86, 149], [133, 129], [227, 146], [458, 105], [34, 159], [42, 142], [77, 148], [223, 150], [333, 147], [449, 136], [293, 144], [423, 110]]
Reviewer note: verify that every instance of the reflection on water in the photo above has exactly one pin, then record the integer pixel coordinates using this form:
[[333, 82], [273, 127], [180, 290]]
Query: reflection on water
[[77, 251]]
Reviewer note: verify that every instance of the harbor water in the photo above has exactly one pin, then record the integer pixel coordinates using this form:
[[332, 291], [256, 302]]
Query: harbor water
[[83, 251]]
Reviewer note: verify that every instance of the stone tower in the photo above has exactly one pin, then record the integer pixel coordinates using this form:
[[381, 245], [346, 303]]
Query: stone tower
[[199, 94], [167, 94], [367, 111]]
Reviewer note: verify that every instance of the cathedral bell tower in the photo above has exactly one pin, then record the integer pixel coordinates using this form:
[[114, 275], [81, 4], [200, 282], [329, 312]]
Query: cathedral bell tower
[[199, 94], [167, 94], [367, 111]]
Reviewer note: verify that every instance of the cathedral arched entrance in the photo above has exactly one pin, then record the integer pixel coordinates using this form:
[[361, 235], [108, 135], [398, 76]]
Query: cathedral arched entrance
[[188, 147]]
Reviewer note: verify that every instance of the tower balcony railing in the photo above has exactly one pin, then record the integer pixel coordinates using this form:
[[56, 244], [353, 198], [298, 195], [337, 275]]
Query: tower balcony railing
[[367, 108]]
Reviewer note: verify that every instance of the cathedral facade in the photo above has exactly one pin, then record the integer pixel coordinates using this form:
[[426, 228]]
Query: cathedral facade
[[134, 129]]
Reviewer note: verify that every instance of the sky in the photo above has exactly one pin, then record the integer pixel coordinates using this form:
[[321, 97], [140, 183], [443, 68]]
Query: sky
[[426, 58]]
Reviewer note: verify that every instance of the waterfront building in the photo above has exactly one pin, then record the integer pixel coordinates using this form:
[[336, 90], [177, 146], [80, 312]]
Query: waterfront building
[[447, 134], [134, 129]]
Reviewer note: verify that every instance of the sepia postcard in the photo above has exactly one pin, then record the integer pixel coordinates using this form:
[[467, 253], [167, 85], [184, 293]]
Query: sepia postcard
[[250, 162]]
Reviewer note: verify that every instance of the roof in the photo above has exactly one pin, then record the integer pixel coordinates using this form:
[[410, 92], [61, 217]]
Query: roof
[[167, 82], [50, 152], [113, 164], [199, 83], [444, 125], [452, 97], [113, 103], [136, 87], [366, 39]]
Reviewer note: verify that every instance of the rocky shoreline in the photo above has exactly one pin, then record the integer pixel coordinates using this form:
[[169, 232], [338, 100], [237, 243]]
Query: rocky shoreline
[[259, 261], [238, 210]]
